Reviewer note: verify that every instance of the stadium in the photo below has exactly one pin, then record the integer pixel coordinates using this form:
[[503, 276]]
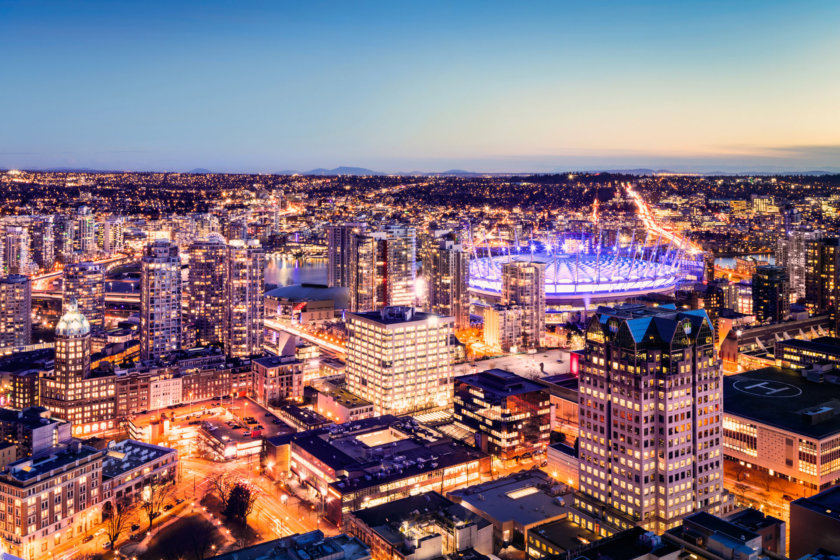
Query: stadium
[[582, 279]]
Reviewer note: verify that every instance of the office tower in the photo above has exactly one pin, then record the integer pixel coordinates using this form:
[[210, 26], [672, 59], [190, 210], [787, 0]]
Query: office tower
[[16, 250], [339, 240], [770, 289], [382, 269], [509, 415], [43, 242], [206, 289], [84, 283], [650, 417], [791, 253], [709, 267], [15, 311], [399, 359], [70, 392], [113, 234], [447, 271], [523, 284], [85, 231], [160, 300], [244, 289]]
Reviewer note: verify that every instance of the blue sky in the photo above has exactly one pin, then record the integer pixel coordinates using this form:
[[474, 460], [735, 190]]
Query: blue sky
[[507, 86]]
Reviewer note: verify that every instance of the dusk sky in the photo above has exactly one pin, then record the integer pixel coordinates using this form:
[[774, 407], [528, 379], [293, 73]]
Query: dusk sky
[[430, 86]]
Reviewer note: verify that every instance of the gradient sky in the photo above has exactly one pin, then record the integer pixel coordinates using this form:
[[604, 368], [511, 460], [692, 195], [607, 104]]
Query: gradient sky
[[398, 86]]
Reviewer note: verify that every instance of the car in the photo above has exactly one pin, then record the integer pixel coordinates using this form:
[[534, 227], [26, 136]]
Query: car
[[267, 414], [276, 421], [788, 498], [87, 539], [135, 526], [167, 507], [99, 531], [106, 545], [179, 501], [248, 433]]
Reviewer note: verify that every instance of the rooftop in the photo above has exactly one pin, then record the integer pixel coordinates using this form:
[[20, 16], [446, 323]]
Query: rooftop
[[627, 545], [784, 399], [127, 455], [27, 469], [308, 546], [564, 534], [526, 497], [826, 344], [500, 383], [826, 502], [396, 315]]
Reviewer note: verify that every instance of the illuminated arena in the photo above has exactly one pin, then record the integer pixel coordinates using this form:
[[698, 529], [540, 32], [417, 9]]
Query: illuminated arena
[[581, 281]]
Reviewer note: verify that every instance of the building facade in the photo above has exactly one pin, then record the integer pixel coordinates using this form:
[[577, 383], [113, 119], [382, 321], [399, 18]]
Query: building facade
[[771, 294], [339, 243], [399, 359], [206, 289], [277, 378], [447, 268], [160, 300], [84, 282], [650, 418], [244, 288], [523, 284], [15, 310]]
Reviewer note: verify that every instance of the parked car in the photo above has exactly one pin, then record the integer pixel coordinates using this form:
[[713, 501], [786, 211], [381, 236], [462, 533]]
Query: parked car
[[87, 539], [167, 507], [106, 545]]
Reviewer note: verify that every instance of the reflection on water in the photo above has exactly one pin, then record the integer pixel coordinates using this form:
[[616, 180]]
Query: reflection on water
[[284, 270], [729, 262]]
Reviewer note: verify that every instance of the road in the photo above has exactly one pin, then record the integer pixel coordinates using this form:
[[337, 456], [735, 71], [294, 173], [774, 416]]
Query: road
[[277, 325]]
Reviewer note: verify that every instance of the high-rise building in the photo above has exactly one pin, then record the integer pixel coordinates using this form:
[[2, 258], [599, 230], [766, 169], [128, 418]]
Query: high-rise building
[[113, 234], [650, 414], [15, 310], [447, 271], [791, 253], [70, 392], [63, 236], [244, 288], [84, 283], [399, 359], [339, 239], [16, 257], [84, 227], [160, 300], [523, 284], [206, 289], [770, 289], [822, 277], [382, 269], [503, 326], [43, 242]]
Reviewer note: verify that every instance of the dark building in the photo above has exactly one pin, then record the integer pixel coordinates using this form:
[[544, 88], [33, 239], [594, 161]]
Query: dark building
[[822, 276], [770, 292], [815, 523], [798, 354], [770, 529], [509, 415]]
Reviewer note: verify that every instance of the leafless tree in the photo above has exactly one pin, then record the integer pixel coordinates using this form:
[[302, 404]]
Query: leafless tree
[[117, 522], [221, 483], [154, 495]]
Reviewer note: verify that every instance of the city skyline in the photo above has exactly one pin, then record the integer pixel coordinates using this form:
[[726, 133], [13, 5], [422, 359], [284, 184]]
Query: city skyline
[[485, 88]]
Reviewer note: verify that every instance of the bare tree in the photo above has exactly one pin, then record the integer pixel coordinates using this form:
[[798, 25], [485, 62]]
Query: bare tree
[[241, 501], [117, 522], [221, 484], [154, 495]]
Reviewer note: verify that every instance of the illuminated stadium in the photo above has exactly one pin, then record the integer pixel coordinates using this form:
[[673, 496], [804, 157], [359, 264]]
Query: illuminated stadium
[[585, 277]]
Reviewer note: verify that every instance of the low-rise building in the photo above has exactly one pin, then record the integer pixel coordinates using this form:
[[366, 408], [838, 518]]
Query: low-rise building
[[815, 523], [508, 414], [516, 503], [779, 422], [798, 354], [32, 431], [300, 418], [128, 466], [50, 499], [717, 536], [277, 378], [220, 442], [307, 546], [562, 464], [420, 527], [340, 405], [364, 463], [555, 538]]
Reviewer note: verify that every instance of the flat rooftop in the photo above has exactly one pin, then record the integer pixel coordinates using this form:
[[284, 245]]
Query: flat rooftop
[[524, 497], [626, 545], [826, 502], [129, 454], [784, 399], [24, 470], [500, 383], [824, 344], [564, 534]]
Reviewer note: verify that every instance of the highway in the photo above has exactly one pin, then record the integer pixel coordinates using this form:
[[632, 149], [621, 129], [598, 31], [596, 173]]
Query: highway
[[651, 225], [329, 345]]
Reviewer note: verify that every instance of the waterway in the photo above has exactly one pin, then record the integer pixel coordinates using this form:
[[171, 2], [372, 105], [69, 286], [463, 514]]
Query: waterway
[[729, 262], [284, 270]]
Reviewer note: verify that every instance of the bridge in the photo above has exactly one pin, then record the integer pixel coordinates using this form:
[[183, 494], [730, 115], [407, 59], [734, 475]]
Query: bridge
[[278, 326]]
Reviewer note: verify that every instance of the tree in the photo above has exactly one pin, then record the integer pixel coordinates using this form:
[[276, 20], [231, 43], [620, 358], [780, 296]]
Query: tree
[[221, 484], [117, 521], [154, 495], [240, 502]]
